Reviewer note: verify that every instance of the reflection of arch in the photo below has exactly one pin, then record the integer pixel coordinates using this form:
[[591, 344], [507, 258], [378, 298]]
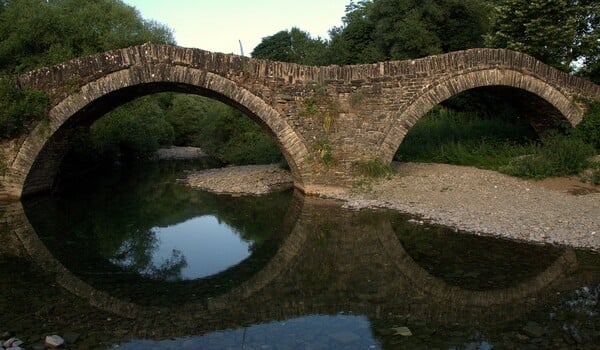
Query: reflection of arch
[[19, 224], [40, 154], [445, 293], [443, 89], [405, 286]]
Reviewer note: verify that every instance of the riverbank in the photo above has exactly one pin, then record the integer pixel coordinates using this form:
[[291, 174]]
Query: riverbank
[[555, 211], [488, 203]]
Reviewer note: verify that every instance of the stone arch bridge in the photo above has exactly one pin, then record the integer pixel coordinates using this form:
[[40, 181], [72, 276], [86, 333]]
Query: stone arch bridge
[[324, 119]]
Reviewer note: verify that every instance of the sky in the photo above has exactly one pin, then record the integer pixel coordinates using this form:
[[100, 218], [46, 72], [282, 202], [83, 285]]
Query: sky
[[218, 25]]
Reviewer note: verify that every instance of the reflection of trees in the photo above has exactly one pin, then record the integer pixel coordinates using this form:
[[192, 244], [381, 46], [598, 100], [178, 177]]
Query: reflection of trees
[[135, 255], [113, 225]]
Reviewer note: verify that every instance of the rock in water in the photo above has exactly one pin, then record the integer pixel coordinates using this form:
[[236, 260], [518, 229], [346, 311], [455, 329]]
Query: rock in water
[[54, 341], [533, 329], [12, 342]]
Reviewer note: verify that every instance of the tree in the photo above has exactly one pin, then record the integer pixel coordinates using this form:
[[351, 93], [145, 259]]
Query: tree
[[292, 46], [402, 29], [38, 33], [562, 33], [134, 130]]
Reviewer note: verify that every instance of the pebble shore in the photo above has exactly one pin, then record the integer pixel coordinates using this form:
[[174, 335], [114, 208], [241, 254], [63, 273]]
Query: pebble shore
[[479, 201]]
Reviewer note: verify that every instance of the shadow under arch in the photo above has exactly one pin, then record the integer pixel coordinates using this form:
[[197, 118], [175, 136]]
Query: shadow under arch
[[556, 106], [41, 152]]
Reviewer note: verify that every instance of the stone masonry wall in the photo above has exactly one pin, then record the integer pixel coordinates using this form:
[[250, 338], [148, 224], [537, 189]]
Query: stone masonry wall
[[325, 119]]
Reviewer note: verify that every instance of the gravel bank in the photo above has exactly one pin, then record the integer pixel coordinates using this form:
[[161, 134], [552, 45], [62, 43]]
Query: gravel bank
[[241, 180], [179, 153], [487, 202]]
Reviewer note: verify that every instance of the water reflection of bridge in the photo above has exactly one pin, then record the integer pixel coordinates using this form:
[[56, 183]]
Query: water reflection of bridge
[[331, 261]]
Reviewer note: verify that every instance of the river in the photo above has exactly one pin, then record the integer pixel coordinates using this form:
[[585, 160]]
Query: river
[[133, 258]]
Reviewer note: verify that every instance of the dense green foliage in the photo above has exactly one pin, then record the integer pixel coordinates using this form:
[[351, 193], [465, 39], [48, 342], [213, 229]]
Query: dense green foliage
[[221, 131], [38, 33], [402, 29], [18, 107], [589, 127], [461, 138], [558, 155], [501, 144], [294, 45], [558, 32], [134, 130], [137, 129]]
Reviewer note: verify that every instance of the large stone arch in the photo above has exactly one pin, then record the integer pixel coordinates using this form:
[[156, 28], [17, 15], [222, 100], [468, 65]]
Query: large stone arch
[[561, 105], [39, 156]]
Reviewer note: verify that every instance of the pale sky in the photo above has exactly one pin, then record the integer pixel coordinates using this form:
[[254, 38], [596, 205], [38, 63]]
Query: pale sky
[[217, 25]]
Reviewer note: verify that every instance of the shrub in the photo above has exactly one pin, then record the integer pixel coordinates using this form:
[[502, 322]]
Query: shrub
[[559, 155], [375, 168], [18, 107], [589, 127]]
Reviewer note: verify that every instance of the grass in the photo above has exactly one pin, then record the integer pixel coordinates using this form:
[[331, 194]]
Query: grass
[[501, 144], [375, 168]]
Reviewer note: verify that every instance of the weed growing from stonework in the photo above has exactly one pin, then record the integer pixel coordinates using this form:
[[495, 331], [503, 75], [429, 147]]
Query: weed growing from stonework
[[309, 107], [18, 107], [323, 150]]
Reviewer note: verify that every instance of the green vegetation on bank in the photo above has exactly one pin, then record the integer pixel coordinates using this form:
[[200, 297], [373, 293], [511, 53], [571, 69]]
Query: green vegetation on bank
[[506, 145]]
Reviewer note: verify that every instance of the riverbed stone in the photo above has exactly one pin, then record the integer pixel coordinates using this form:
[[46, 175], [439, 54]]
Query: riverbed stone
[[533, 329], [54, 341], [11, 341]]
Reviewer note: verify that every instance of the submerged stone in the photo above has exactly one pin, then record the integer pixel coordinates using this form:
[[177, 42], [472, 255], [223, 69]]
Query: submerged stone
[[533, 329]]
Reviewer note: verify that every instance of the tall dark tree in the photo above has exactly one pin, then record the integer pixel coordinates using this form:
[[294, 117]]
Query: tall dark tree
[[401, 29], [38, 33], [295, 46], [562, 33]]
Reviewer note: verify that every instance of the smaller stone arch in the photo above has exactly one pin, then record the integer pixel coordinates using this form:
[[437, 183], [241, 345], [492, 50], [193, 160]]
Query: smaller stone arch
[[39, 157], [495, 77]]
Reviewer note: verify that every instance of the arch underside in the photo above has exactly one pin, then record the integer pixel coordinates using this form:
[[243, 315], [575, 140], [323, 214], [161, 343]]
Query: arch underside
[[77, 112], [543, 105]]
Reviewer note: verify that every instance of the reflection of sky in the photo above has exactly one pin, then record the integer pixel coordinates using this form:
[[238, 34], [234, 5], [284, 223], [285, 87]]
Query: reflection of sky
[[309, 332], [208, 246]]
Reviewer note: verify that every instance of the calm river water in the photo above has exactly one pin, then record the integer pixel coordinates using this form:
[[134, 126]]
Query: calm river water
[[131, 258]]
